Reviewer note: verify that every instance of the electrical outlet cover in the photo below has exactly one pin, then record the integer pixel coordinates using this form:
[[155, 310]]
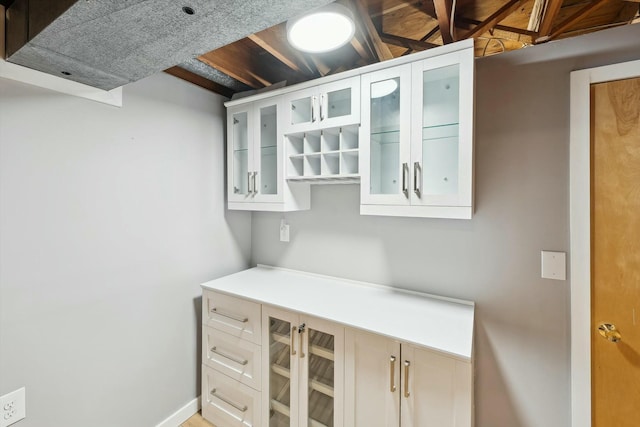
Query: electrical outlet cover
[[12, 407]]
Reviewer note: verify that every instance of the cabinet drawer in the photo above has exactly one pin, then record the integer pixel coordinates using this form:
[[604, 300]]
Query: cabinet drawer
[[233, 356], [227, 403], [235, 316]]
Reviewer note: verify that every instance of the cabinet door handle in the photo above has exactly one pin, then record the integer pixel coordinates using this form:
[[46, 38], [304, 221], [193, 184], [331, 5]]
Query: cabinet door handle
[[242, 362], [405, 172], [321, 105], [241, 408], [255, 187], [406, 378], [249, 191], [416, 187], [392, 371], [300, 340], [230, 316], [313, 108], [293, 349]]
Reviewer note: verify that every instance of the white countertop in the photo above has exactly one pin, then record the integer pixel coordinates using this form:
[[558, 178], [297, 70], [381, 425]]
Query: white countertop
[[442, 324]]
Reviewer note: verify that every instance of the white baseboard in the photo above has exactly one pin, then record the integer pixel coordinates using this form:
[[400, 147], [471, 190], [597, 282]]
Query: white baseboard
[[182, 414]]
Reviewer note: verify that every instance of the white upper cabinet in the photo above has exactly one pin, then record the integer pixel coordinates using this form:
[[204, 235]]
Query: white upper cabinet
[[417, 138], [255, 158], [329, 105]]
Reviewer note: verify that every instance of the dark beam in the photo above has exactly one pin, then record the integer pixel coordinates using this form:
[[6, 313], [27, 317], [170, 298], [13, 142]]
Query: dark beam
[[443, 12], [548, 18], [573, 19], [274, 41], [183, 74], [495, 18], [381, 50], [463, 22], [407, 43]]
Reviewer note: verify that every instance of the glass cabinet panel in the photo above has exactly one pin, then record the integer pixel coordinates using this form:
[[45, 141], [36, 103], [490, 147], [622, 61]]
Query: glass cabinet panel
[[268, 151], [240, 134], [440, 125], [321, 379], [301, 110], [280, 352], [338, 103], [385, 137]]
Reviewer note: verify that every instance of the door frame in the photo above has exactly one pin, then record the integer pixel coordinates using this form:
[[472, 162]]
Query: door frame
[[580, 229]]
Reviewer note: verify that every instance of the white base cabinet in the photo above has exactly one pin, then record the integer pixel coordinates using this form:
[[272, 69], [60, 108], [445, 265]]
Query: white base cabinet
[[333, 353]]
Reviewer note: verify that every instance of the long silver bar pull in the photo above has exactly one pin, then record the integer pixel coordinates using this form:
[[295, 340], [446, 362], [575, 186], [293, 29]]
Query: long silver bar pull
[[230, 316], [241, 408], [321, 105], [242, 362], [293, 349], [392, 372], [406, 378], [313, 108], [255, 187], [405, 172], [249, 191], [416, 187]]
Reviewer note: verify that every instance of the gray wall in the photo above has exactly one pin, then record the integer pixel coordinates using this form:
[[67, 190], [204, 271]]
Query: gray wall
[[522, 191], [109, 221]]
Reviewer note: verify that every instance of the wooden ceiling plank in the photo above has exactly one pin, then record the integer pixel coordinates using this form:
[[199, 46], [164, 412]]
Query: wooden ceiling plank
[[495, 18], [405, 42], [552, 7], [381, 50], [443, 12], [187, 75], [563, 26], [273, 40], [424, 38], [235, 62]]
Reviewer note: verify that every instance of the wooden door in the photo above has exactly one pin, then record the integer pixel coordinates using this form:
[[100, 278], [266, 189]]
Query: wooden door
[[615, 108], [372, 380]]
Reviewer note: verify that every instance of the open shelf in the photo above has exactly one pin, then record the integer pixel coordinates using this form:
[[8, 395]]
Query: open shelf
[[326, 156]]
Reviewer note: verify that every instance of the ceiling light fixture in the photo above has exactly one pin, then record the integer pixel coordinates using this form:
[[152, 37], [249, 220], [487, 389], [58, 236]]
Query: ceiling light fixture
[[322, 30]]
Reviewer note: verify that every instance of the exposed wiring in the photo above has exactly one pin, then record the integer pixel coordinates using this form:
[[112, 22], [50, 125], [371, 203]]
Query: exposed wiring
[[500, 41], [453, 18]]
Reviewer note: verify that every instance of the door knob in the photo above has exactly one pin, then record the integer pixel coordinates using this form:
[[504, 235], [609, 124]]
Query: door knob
[[609, 331]]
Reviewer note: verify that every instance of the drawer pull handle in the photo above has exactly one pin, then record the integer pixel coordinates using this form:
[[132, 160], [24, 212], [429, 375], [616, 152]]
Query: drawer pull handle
[[406, 378], [230, 316], [300, 340], [226, 356], [240, 408], [392, 370]]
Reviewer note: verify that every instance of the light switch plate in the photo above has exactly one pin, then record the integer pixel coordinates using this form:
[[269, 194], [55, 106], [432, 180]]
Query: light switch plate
[[554, 265]]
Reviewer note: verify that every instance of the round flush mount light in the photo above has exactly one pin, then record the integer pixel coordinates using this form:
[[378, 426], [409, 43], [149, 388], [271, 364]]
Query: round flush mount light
[[383, 88], [322, 30]]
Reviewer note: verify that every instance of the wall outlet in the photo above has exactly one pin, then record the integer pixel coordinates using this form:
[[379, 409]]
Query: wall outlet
[[284, 231], [13, 407]]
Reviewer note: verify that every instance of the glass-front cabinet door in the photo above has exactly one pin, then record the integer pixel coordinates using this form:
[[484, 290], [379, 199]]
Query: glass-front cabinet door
[[304, 384], [320, 107], [254, 152], [442, 135], [267, 152], [322, 377], [385, 129], [239, 154]]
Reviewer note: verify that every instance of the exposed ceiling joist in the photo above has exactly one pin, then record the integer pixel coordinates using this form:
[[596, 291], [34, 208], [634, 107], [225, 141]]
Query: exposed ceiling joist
[[444, 15], [274, 41], [551, 9], [466, 23], [424, 38], [495, 18], [536, 15], [573, 19], [407, 43], [381, 49], [200, 81]]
